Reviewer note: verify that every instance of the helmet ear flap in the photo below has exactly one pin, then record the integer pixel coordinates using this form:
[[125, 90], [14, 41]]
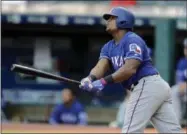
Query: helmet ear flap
[[122, 22]]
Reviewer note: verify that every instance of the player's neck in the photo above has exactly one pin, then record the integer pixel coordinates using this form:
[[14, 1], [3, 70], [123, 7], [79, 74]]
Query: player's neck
[[118, 35]]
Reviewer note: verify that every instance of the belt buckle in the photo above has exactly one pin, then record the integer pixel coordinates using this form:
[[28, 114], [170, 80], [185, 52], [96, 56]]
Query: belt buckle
[[132, 87]]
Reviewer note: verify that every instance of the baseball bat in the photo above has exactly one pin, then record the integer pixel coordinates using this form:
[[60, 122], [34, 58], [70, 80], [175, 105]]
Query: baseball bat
[[40, 73]]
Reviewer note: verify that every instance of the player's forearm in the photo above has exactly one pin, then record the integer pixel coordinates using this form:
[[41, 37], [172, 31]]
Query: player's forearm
[[123, 74], [97, 72], [119, 76], [100, 69]]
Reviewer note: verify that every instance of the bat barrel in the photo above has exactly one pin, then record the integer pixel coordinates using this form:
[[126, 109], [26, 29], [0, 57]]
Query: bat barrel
[[36, 72]]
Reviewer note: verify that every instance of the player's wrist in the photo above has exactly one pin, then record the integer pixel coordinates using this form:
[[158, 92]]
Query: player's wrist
[[107, 80], [92, 77]]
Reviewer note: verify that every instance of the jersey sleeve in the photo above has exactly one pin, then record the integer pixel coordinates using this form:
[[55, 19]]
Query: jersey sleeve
[[105, 52], [134, 50], [55, 115]]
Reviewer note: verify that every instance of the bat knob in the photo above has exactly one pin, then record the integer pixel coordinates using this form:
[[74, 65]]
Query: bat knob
[[13, 67]]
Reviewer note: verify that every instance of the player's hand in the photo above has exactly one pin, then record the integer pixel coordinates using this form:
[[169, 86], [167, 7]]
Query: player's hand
[[98, 85], [86, 83]]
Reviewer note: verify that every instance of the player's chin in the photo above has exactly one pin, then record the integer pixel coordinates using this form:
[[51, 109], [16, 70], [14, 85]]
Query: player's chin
[[108, 30]]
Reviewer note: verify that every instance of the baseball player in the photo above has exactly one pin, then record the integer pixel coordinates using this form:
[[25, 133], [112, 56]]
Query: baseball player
[[128, 54], [70, 111], [182, 66], [180, 89]]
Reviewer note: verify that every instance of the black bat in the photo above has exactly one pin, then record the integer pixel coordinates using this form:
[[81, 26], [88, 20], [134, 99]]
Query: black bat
[[40, 73]]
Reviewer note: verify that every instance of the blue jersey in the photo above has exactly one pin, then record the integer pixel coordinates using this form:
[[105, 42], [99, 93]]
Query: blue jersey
[[131, 46], [181, 73], [74, 114]]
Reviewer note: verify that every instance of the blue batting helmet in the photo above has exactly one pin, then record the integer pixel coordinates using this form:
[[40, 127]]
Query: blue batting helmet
[[125, 19], [150, 51]]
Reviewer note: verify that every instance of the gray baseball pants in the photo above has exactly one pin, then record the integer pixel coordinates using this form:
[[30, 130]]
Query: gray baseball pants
[[151, 100]]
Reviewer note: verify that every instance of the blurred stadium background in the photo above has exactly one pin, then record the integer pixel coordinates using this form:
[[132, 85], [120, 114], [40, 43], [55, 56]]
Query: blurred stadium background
[[65, 38]]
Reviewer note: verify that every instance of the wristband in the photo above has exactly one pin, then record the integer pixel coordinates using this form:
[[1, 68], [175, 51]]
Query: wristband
[[92, 77], [108, 79]]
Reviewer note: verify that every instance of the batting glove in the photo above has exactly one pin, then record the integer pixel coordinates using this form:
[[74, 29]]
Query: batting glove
[[86, 83], [98, 85]]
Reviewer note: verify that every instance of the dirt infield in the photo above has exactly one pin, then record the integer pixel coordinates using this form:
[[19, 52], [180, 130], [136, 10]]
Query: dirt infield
[[45, 128]]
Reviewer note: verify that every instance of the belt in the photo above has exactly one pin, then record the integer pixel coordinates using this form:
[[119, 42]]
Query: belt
[[134, 84]]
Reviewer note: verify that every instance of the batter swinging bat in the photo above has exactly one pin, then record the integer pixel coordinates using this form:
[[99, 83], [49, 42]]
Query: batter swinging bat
[[36, 72]]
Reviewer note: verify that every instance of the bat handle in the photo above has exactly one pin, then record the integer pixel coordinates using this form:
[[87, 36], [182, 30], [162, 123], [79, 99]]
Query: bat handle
[[13, 67]]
